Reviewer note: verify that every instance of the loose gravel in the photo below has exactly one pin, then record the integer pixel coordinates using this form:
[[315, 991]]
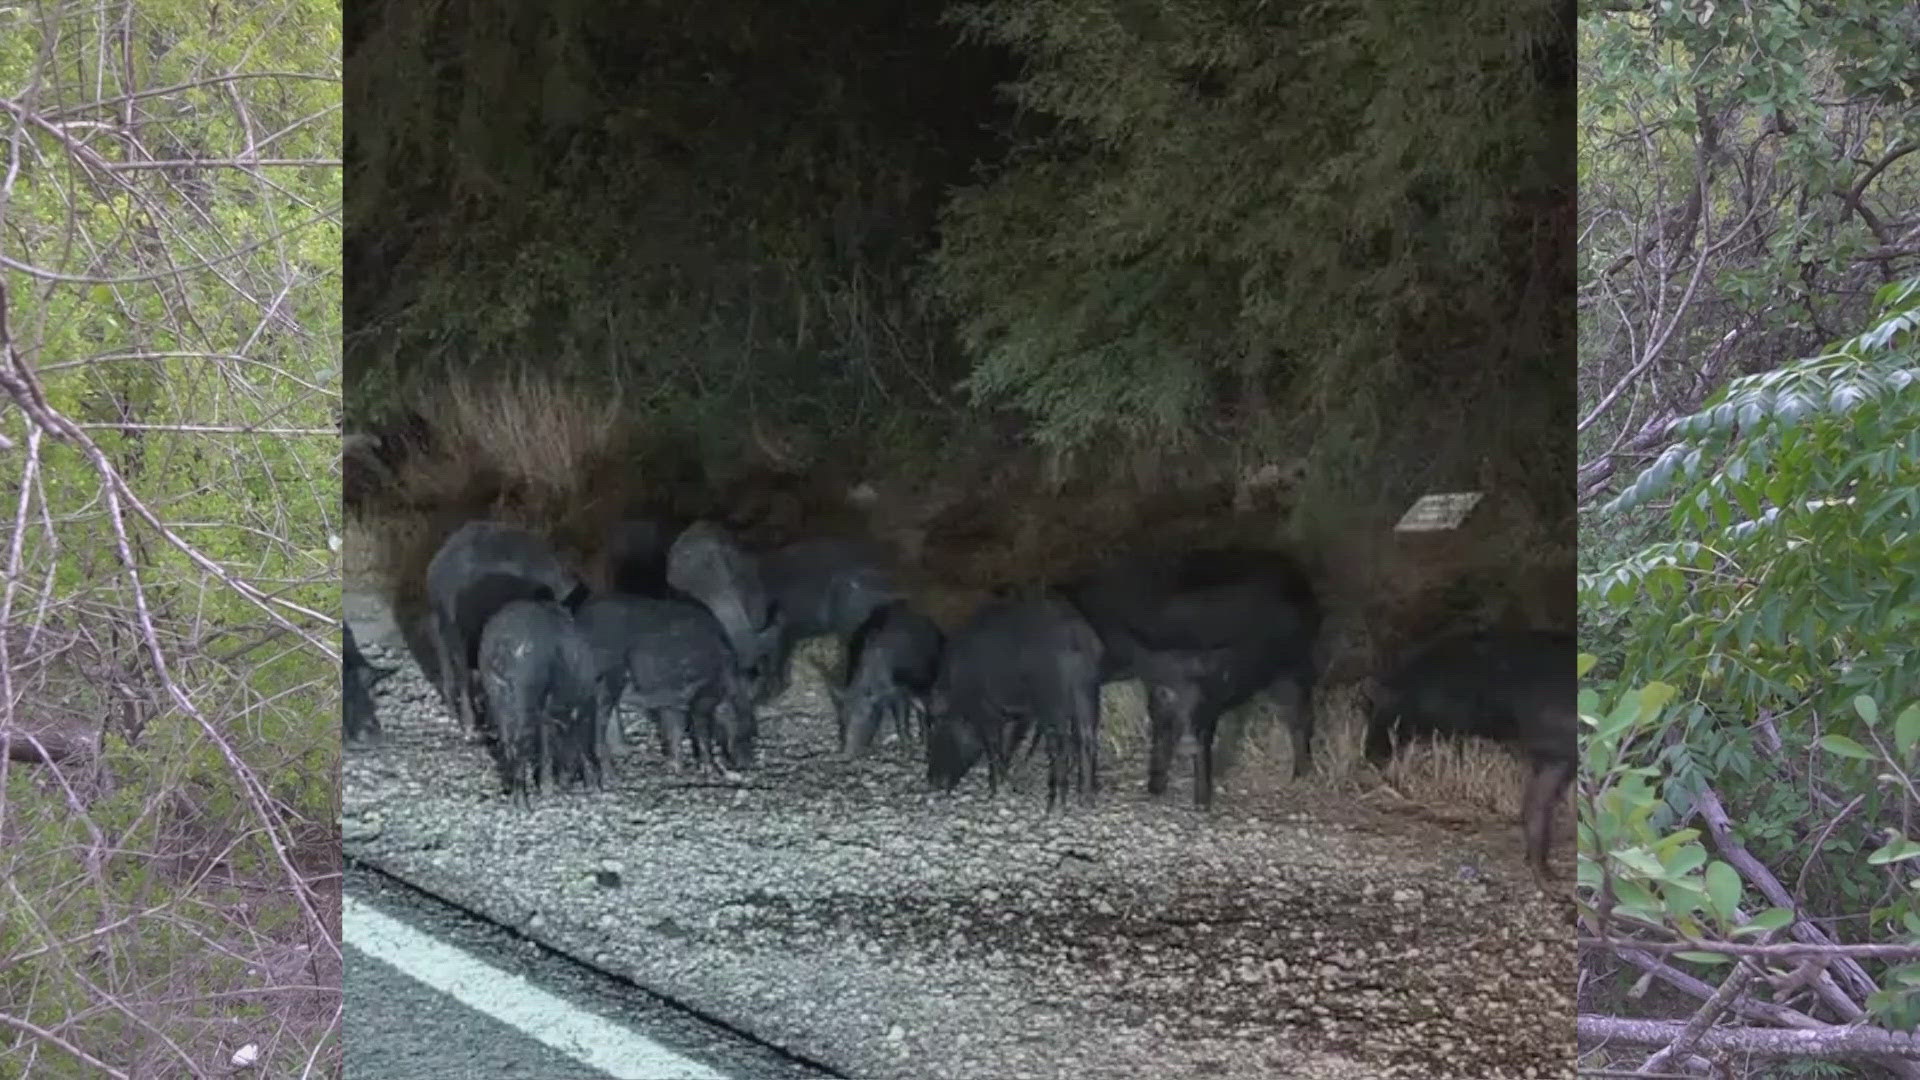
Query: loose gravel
[[844, 912]]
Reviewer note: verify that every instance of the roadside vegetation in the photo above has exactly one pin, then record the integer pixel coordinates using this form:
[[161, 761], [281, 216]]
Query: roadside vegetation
[[170, 335], [1749, 475]]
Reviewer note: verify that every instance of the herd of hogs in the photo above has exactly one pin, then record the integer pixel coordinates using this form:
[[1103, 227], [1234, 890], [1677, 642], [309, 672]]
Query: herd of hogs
[[696, 631]]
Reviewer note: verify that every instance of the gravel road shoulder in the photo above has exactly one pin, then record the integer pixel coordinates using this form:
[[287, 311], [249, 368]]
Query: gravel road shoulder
[[844, 913]]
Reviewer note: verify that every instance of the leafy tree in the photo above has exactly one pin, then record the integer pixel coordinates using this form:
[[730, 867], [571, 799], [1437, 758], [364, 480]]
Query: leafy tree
[[1230, 233], [1783, 608], [1747, 179], [169, 275], [1796, 575], [717, 213], [1285, 222]]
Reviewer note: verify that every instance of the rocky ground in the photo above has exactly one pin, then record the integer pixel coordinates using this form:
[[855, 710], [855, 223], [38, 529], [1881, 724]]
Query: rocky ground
[[846, 913]]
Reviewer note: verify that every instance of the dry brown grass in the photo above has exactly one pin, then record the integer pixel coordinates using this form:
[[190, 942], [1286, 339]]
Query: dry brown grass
[[1467, 783], [528, 448], [528, 442], [1458, 780]]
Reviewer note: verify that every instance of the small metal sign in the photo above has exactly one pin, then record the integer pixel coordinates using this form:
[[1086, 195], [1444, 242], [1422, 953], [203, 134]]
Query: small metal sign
[[1438, 513]]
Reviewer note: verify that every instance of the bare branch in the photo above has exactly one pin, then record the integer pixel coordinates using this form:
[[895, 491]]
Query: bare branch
[[45, 274], [232, 163], [215, 429], [55, 1039], [167, 240]]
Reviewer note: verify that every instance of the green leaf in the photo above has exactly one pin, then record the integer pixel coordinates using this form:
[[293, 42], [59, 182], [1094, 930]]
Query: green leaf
[[1654, 696], [1881, 1002], [1897, 849], [1686, 859], [1677, 840], [1684, 899], [1845, 747], [1723, 888], [1906, 728], [1867, 708], [1634, 895], [1641, 862]]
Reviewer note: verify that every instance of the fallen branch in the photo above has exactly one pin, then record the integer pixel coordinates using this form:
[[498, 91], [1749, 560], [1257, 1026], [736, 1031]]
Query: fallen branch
[[1696, 1028], [1788, 951], [1760, 1011], [1846, 983], [1828, 1043]]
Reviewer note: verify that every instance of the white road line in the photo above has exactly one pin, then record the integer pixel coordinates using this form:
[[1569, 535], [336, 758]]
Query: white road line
[[512, 1000]]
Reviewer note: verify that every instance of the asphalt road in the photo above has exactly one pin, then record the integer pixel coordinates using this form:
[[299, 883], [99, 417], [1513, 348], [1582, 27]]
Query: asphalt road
[[419, 1008]]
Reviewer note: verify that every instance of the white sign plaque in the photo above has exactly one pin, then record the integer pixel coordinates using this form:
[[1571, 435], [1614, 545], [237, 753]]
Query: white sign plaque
[[1438, 513]]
